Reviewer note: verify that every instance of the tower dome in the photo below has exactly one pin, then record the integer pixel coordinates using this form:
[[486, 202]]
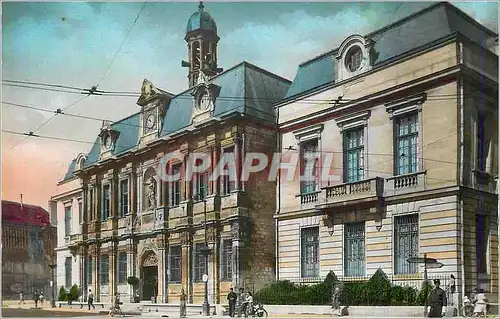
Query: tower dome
[[201, 20]]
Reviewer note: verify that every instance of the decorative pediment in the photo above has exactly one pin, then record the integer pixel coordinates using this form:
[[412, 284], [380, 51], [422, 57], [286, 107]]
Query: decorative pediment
[[204, 94], [108, 136], [148, 93]]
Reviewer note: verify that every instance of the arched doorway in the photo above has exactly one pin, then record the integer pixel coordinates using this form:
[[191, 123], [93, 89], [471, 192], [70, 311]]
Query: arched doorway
[[149, 276]]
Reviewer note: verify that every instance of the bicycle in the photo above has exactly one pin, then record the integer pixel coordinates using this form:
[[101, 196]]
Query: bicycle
[[116, 310]]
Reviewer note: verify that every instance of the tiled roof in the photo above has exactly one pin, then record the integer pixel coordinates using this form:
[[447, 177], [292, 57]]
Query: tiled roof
[[29, 214], [431, 24], [245, 89]]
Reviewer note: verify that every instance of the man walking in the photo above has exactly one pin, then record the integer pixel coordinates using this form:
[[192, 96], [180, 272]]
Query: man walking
[[231, 297], [436, 300], [21, 298], [183, 303], [90, 299]]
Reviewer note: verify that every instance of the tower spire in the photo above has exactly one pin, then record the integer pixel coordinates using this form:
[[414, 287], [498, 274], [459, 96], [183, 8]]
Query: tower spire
[[201, 6]]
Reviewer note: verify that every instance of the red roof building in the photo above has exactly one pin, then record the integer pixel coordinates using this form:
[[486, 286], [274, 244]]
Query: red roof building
[[25, 214]]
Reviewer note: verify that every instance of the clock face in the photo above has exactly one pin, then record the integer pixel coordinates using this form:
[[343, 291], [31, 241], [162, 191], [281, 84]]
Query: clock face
[[150, 121], [204, 103]]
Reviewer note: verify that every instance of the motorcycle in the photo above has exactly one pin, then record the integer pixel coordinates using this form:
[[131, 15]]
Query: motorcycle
[[257, 311]]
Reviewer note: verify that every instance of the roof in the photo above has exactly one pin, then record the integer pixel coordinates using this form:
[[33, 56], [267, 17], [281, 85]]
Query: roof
[[426, 26], [28, 215], [201, 20], [244, 89]]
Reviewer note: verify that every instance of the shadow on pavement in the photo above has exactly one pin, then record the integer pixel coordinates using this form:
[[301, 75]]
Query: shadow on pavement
[[12, 312]]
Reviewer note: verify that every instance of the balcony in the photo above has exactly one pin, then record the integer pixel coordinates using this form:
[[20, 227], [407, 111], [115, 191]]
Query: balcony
[[405, 183], [483, 181], [231, 204], [309, 199], [364, 191]]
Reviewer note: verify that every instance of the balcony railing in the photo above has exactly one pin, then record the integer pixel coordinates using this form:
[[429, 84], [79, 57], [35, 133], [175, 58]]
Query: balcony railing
[[405, 182], [372, 188], [309, 198]]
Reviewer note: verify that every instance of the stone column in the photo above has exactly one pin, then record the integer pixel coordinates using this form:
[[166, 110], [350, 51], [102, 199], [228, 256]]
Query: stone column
[[113, 278], [130, 269], [161, 270], [235, 233], [238, 164], [186, 265], [213, 265]]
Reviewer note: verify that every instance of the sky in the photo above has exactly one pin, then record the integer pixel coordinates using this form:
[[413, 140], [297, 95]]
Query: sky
[[74, 44]]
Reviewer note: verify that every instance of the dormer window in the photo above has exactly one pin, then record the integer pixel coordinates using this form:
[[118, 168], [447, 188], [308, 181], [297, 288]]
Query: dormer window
[[353, 58]]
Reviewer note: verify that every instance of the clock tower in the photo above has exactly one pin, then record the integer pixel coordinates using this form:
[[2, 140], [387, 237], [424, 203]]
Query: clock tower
[[202, 39], [153, 103]]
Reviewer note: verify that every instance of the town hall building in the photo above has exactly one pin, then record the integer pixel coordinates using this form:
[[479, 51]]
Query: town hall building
[[121, 219]]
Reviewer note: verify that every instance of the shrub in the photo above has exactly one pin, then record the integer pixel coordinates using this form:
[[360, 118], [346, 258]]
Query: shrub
[[424, 292], [378, 289], [63, 296], [353, 294], [74, 293], [133, 281]]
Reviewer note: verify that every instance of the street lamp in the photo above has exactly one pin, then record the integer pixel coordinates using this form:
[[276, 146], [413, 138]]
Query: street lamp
[[205, 251], [52, 266]]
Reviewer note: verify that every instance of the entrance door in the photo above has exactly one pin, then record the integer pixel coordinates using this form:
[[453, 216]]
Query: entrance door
[[150, 282]]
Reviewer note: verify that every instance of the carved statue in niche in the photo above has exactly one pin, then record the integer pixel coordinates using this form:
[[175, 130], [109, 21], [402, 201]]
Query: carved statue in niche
[[151, 192]]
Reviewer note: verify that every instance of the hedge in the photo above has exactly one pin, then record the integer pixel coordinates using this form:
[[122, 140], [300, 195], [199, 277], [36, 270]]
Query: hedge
[[377, 291]]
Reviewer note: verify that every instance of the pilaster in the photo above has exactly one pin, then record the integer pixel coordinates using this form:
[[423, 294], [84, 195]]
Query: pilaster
[[186, 242]]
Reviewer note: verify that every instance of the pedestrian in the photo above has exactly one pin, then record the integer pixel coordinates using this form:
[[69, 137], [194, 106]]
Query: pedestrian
[[116, 306], [241, 299], [90, 299], [436, 300], [21, 298], [183, 303], [35, 298], [42, 297], [231, 297], [481, 304], [248, 304], [451, 289]]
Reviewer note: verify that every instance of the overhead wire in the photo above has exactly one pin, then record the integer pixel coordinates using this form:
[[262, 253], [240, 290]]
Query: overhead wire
[[123, 42]]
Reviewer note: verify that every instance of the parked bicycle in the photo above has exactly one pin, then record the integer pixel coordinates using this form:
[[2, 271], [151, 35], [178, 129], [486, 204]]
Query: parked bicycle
[[257, 310]]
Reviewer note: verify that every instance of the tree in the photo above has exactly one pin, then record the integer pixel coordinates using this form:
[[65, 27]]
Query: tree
[[63, 296], [134, 282], [74, 293]]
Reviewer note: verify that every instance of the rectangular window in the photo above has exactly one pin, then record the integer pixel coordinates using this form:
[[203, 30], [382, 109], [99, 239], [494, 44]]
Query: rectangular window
[[91, 204], [309, 252], [68, 272], [482, 148], [229, 181], [80, 212], [199, 262], [67, 221], [406, 133], [354, 249], [482, 235], [308, 166], [104, 270], [227, 260], [353, 155], [106, 201], [122, 267], [124, 206], [175, 186], [201, 185], [89, 270], [175, 264], [405, 243]]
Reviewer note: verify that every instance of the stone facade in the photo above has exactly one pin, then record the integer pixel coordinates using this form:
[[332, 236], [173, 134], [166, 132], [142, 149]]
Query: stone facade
[[137, 224], [442, 206]]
